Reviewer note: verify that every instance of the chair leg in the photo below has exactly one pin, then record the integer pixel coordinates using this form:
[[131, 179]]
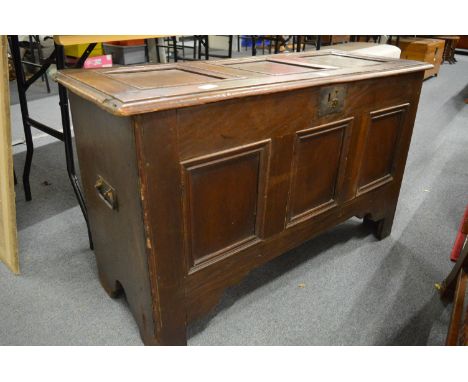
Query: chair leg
[[183, 49], [207, 47], [168, 49], [199, 47], [195, 42], [174, 46], [230, 46], [158, 54]]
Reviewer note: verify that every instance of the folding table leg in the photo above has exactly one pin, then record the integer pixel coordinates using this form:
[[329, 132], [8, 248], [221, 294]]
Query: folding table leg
[[67, 139], [20, 81]]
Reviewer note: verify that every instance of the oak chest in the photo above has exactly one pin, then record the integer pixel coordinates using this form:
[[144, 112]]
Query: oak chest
[[195, 173], [429, 50]]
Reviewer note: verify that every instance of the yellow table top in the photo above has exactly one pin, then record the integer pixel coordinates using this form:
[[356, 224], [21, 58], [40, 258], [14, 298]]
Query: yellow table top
[[88, 39]]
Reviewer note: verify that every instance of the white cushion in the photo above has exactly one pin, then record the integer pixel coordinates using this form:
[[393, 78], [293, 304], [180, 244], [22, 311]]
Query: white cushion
[[368, 48]]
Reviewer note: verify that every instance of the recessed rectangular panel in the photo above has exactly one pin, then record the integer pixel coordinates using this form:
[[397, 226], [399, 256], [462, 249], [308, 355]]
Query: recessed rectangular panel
[[381, 143], [318, 160], [339, 61], [271, 67], [150, 79], [223, 202]]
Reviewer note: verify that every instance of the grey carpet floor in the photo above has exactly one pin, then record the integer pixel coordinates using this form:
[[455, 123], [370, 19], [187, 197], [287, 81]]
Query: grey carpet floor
[[356, 290]]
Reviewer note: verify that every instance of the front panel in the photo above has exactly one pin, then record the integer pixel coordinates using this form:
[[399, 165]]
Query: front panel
[[253, 168], [223, 201], [317, 169], [262, 174], [382, 132]]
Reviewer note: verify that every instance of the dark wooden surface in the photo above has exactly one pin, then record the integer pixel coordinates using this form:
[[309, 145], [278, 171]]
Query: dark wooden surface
[[462, 43], [212, 185]]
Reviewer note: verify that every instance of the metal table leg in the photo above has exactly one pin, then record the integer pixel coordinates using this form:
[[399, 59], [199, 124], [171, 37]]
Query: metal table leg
[[67, 136], [20, 81]]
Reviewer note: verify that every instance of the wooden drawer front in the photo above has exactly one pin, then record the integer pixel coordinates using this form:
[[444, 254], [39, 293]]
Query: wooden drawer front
[[224, 202], [383, 131], [317, 169]]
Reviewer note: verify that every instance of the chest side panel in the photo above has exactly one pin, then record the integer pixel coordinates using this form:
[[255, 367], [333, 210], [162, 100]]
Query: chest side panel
[[107, 157]]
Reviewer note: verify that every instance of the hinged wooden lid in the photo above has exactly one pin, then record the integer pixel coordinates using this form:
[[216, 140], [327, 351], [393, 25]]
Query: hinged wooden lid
[[145, 88]]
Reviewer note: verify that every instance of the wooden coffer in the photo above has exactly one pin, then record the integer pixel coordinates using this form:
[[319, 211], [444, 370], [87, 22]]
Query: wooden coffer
[[429, 50], [196, 173]]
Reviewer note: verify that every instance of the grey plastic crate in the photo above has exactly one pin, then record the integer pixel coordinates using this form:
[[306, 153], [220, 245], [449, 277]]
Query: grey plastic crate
[[126, 55]]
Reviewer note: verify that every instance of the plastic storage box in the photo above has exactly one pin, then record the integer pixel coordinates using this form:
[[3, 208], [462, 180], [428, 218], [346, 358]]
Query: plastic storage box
[[78, 50], [126, 55]]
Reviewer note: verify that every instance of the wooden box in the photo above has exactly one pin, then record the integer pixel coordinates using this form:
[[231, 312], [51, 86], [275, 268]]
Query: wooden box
[[195, 173], [428, 50]]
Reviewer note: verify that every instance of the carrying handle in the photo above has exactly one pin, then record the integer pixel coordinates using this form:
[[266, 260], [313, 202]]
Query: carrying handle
[[106, 192]]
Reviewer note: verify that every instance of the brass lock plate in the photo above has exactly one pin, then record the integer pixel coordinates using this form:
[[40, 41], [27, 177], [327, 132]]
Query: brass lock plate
[[332, 99]]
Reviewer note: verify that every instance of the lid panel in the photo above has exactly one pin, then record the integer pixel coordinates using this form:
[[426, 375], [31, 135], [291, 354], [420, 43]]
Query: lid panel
[[150, 79], [271, 67], [339, 61], [148, 88]]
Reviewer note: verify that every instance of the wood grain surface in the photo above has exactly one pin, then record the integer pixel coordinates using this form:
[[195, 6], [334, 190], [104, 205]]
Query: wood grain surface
[[119, 91], [8, 240]]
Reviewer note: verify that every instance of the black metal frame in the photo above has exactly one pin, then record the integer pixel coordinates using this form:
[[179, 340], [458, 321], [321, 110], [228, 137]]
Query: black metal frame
[[35, 41], [298, 42], [200, 41], [271, 38], [390, 40], [58, 57]]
